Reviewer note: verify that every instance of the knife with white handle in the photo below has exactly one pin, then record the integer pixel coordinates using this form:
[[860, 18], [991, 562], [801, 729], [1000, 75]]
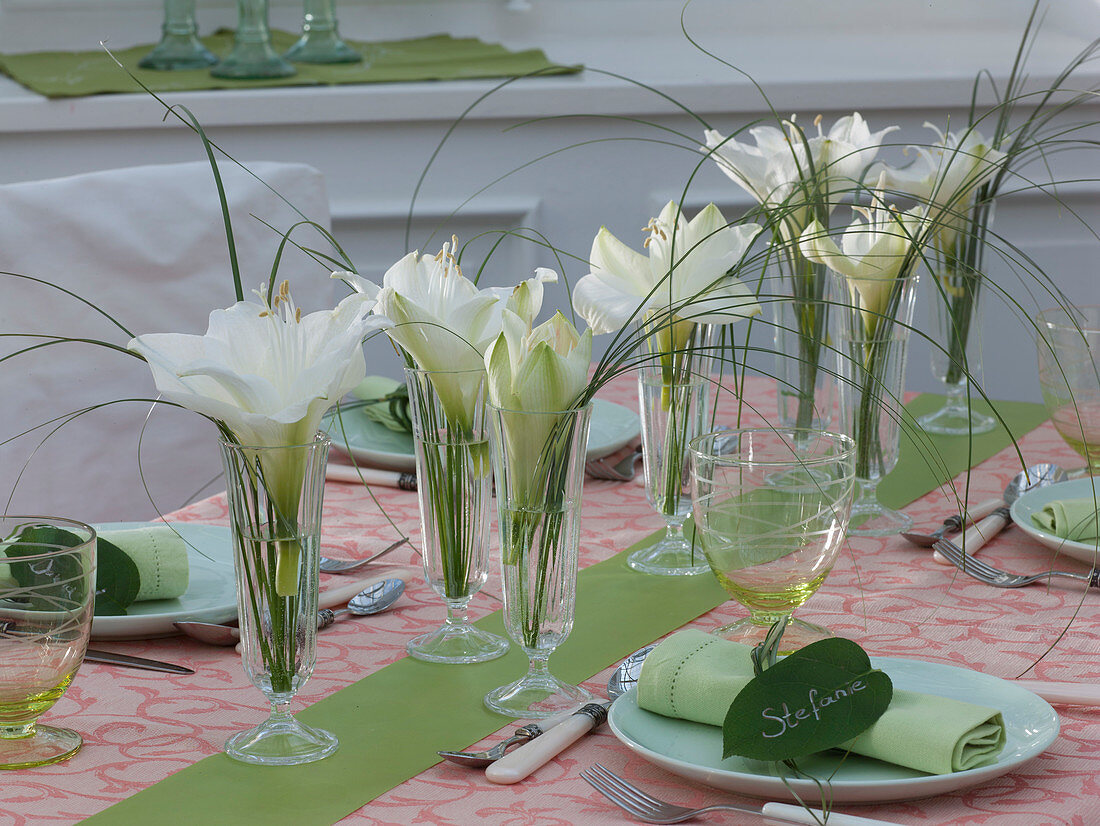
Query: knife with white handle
[[790, 813], [1069, 694], [518, 764], [978, 534]]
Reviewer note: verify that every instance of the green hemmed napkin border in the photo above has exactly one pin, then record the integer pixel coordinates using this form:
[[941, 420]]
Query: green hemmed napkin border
[[383, 743], [436, 57]]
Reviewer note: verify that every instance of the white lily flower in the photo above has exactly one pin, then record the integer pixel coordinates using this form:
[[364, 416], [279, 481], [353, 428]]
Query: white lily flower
[[443, 321], [539, 370], [789, 170], [267, 374], [945, 176], [264, 370], [542, 372], [871, 255], [685, 272]]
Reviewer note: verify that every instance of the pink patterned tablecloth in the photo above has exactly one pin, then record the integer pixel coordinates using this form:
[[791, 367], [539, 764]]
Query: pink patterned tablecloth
[[139, 726]]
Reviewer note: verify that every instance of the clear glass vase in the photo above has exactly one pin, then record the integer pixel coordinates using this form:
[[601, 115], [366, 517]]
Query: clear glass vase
[[179, 46], [320, 41], [454, 488], [956, 355], [538, 461], [252, 55], [275, 496], [872, 350], [799, 305], [673, 393]]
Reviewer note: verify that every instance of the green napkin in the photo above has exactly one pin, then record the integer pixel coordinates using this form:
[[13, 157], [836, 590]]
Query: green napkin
[[1075, 519], [695, 676], [391, 408], [160, 555]]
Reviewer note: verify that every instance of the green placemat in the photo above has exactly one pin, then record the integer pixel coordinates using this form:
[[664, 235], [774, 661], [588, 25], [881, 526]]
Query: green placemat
[[439, 57], [926, 462], [391, 722]]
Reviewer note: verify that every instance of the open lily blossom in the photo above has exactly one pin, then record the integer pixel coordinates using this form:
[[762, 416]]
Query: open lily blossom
[[442, 320], [945, 176], [874, 252], [263, 370], [790, 170], [685, 272]]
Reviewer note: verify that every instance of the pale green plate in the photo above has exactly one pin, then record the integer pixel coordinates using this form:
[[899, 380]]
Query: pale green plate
[[374, 445], [694, 751], [1034, 501], [211, 594]]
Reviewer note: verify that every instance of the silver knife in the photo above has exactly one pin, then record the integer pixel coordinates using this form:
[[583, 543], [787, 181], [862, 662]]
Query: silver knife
[[131, 661]]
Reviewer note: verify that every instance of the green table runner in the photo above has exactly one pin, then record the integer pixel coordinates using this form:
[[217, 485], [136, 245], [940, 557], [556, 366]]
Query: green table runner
[[385, 741], [438, 57]]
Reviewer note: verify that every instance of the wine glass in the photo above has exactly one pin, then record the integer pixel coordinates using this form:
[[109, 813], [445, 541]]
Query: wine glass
[[47, 584], [1069, 376], [771, 509]]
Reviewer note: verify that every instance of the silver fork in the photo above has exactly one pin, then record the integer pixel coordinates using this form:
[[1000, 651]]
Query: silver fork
[[621, 471], [642, 806], [346, 566], [986, 573]]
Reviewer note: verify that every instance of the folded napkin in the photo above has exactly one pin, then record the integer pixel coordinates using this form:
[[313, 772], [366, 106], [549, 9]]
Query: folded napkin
[[1074, 519], [391, 402], [160, 556], [695, 676]]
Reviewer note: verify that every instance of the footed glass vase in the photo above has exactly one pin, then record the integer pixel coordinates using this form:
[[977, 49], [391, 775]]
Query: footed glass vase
[[275, 496], [872, 351], [252, 55], [179, 46], [673, 393], [958, 354], [320, 41], [538, 461], [454, 488]]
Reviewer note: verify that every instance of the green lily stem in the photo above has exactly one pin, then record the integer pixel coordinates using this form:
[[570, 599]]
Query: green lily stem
[[809, 282], [961, 279]]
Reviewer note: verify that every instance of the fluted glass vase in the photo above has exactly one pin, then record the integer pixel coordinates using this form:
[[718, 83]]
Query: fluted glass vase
[[252, 55], [872, 350], [454, 487], [275, 496], [956, 354], [538, 461], [674, 389]]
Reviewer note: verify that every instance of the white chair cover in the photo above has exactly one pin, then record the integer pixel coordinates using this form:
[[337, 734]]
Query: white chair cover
[[146, 245]]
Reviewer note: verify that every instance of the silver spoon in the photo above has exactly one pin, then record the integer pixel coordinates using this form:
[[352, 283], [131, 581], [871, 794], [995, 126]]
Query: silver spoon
[[378, 597], [622, 680], [346, 566], [1036, 476]]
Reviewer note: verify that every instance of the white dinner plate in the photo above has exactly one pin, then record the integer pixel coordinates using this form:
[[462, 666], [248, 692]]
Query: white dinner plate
[[1034, 501], [211, 594], [375, 445], [694, 751]]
